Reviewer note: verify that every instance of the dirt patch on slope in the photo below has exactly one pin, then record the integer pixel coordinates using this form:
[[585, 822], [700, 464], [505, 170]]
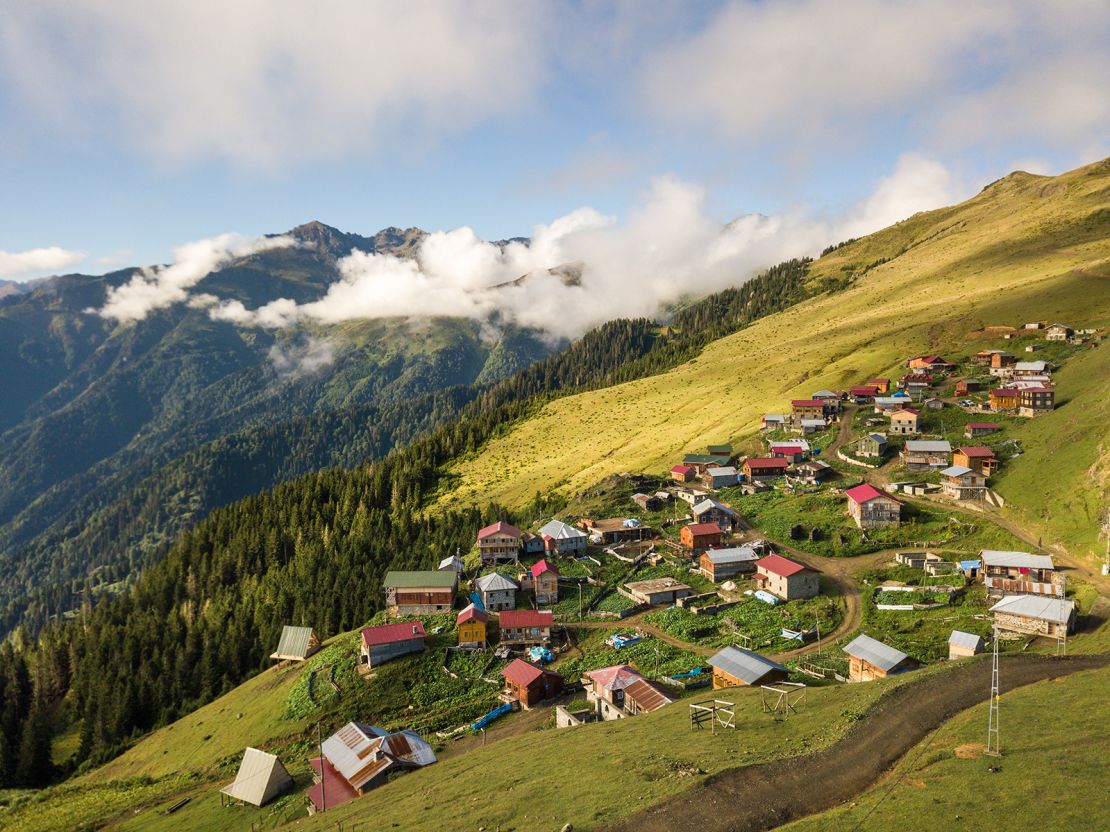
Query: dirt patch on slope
[[765, 796]]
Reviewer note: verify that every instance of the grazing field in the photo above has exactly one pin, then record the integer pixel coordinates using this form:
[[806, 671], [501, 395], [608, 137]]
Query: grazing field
[[1054, 739], [1028, 248]]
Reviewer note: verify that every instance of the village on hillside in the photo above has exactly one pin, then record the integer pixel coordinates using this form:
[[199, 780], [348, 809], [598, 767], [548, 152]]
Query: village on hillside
[[854, 536]]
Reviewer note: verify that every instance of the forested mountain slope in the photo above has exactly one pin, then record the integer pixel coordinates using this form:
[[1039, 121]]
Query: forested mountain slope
[[1026, 248], [97, 418]]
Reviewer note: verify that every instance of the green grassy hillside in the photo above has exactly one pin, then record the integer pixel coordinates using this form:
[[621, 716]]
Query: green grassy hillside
[[1026, 248]]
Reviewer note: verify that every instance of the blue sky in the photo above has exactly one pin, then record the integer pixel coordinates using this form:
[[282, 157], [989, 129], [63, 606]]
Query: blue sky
[[130, 129]]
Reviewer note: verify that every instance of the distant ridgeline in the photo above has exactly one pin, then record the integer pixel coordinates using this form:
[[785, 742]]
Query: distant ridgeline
[[203, 617]]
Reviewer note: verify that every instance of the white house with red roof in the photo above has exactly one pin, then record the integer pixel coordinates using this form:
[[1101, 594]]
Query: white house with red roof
[[389, 641], [786, 579], [872, 508], [499, 543]]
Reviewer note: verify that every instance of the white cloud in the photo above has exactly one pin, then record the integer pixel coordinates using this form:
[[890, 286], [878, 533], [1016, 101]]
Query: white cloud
[[37, 261], [667, 249], [302, 357], [156, 287], [271, 82], [952, 73]]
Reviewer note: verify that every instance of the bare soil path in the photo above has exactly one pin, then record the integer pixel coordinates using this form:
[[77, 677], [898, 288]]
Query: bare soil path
[[765, 796]]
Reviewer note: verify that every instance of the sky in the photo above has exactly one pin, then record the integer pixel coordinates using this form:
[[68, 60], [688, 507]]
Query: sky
[[138, 132]]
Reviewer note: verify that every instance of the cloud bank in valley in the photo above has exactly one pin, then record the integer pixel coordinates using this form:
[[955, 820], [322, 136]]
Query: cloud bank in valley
[[37, 261], [668, 248], [158, 287]]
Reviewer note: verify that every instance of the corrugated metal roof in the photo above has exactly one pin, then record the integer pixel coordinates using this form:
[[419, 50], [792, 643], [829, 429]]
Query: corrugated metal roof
[[390, 633], [740, 554], [500, 528], [511, 619], [294, 642], [928, 446], [520, 672], [558, 530], [471, 612], [874, 652], [707, 504], [1016, 560], [726, 471], [961, 639], [428, 577], [648, 695], [956, 471], [744, 664], [1056, 610], [617, 677], [495, 582], [703, 528]]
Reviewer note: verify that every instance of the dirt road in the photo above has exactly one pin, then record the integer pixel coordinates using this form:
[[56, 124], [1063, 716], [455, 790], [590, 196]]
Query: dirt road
[[766, 796]]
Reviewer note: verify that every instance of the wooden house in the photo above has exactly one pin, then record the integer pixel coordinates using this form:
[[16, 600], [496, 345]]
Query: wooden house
[[973, 430], [516, 627], [562, 539], [530, 684], [786, 579], [961, 645], [871, 445], [792, 453], [296, 644], [1018, 573], [1005, 399], [615, 529], [711, 511], [701, 462], [472, 623], [882, 385], [1031, 369], [499, 543], [1000, 359], [390, 641], [871, 659], [533, 544], [808, 426], [919, 455], [966, 386], [720, 450], [658, 591], [871, 508], [1034, 401], [419, 593], [905, 422], [545, 582], [1057, 332], [683, 473], [1035, 615], [722, 564], [648, 502], [496, 591], [735, 667], [978, 458], [863, 393], [807, 409], [700, 536], [929, 362], [962, 483], [813, 471], [764, 469]]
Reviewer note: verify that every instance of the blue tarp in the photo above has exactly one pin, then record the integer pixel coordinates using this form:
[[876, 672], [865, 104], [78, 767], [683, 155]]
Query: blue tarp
[[620, 640], [476, 600], [541, 655], [500, 710]]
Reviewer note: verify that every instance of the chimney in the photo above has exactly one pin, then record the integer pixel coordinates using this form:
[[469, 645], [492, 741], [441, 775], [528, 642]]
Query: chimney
[[415, 631]]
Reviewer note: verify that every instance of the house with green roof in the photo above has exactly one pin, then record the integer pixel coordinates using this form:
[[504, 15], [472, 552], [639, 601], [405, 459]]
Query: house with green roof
[[420, 592]]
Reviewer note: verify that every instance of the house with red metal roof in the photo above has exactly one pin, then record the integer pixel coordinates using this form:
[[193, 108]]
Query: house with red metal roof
[[525, 626], [880, 384], [863, 393], [975, 429], [529, 683], [389, 641], [544, 578], [791, 453], [807, 409], [683, 473], [700, 536], [785, 578], [605, 688], [471, 624], [499, 543], [872, 508]]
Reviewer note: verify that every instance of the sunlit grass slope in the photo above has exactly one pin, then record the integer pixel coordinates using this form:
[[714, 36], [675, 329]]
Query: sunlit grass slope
[[1026, 248]]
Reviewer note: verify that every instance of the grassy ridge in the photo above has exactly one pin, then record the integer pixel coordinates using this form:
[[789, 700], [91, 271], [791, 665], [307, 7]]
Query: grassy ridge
[[1026, 248]]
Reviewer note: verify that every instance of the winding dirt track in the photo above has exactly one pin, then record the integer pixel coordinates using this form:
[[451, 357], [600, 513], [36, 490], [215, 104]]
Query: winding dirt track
[[766, 796]]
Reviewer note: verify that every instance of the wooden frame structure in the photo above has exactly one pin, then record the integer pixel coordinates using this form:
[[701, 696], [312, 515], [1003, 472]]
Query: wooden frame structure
[[715, 712], [783, 699]]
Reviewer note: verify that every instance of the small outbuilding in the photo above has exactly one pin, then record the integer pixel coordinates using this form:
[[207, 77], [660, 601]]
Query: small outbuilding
[[961, 644], [261, 778], [658, 591], [529, 683], [734, 666], [296, 644], [870, 659]]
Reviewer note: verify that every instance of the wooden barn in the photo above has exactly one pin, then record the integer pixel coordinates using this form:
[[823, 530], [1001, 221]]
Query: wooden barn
[[871, 659]]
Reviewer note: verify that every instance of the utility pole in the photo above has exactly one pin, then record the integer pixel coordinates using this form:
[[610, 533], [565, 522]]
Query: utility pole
[[323, 774], [994, 740]]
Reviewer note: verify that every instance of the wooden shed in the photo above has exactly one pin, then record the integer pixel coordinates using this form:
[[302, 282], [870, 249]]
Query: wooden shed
[[296, 644], [870, 659], [529, 683], [734, 666]]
